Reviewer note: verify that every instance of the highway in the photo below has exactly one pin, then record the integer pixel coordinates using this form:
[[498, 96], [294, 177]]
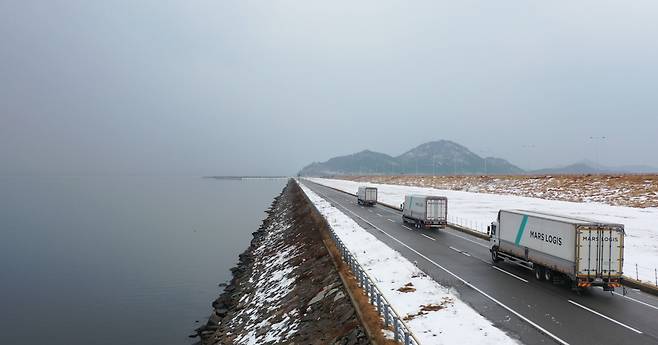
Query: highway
[[535, 312]]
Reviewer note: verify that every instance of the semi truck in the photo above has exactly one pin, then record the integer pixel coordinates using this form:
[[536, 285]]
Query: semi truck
[[366, 196], [560, 249], [425, 211]]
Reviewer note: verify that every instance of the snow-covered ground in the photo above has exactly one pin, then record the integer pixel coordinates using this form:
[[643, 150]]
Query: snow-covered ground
[[476, 210], [271, 286], [453, 323]]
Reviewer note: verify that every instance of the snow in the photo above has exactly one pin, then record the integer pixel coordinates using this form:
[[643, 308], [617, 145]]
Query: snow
[[272, 285], [477, 210], [453, 322]]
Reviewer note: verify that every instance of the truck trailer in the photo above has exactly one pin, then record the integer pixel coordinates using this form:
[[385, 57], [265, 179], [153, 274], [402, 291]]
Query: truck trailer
[[425, 211], [366, 196], [557, 248]]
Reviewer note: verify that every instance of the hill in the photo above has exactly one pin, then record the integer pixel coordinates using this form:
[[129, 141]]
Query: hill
[[441, 157]]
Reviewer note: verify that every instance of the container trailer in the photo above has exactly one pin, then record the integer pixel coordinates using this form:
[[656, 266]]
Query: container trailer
[[557, 248], [425, 211]]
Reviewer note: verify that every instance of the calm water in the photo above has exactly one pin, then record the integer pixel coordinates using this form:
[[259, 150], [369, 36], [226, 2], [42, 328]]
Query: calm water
[[119, 260]]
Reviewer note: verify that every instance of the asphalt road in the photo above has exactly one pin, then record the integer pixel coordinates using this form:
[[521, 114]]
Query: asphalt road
[[535, 312]]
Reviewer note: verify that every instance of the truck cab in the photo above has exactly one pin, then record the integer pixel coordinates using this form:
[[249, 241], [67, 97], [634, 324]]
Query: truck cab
[[494, 240]]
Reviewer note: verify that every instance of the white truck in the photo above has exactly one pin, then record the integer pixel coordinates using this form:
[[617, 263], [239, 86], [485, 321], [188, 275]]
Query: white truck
[[366, 196], [560, 249], [425, 211]]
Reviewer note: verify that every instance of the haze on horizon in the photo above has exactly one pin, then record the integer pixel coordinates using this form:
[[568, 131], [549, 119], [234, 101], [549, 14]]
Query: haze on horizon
[[248, 87]]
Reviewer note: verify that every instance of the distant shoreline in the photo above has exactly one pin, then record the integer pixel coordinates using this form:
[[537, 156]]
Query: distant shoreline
[[246, 177]]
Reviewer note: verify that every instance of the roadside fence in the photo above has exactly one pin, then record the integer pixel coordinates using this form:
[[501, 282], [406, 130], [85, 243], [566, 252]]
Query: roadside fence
[[642, 273], [468, 223], [391, 318]]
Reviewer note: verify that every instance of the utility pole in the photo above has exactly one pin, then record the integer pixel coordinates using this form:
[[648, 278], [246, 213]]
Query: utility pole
[[433, 165], [597, 140]]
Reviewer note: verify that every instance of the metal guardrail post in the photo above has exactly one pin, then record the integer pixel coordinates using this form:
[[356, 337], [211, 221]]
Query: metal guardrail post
[[395, 328], [407, 338], [386, 316], [379, 304]]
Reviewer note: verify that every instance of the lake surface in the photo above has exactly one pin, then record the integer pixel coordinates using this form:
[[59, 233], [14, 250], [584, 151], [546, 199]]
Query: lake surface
[[119, 260]]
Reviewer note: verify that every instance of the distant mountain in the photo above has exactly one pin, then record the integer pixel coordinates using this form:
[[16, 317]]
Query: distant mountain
[[589, 167], [576, 168], [638, 169], [365, 162], [437, 157]]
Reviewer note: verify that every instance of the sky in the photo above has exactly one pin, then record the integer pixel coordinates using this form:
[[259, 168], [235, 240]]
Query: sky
[[266, 87]]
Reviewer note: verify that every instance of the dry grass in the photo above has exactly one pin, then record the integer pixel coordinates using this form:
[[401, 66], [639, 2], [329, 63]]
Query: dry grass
[[408, 287], [619, 190], [426, 308]]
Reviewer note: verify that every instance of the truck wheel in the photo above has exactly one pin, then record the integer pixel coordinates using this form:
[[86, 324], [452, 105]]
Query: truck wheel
[[494, 255], [548, 275], [539, 272]]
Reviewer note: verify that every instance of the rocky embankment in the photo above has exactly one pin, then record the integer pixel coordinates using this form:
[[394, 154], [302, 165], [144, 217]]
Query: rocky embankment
[[285, 288]]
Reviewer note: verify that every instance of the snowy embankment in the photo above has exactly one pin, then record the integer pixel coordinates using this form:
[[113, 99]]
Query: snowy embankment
[[476, 210], [271, 284], [432, 312]]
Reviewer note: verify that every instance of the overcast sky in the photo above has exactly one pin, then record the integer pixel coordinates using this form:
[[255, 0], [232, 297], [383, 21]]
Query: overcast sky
[[244, 87]]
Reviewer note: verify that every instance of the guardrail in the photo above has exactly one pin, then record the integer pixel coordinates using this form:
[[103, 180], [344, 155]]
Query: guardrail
[[401, 332], [391, 319]]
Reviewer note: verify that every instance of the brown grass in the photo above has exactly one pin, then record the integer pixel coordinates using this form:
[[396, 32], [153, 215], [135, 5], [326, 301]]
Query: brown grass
[[408, 287], [632, 190]]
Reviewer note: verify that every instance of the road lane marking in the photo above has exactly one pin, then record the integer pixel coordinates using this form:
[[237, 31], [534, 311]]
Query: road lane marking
[[379, 215], [455, 249], [390, 220], [636, 300], [605, 317], [511, 274], [370, 211], [465, 253], [408, 228], [491, 298], [466, 239], [433, 239]]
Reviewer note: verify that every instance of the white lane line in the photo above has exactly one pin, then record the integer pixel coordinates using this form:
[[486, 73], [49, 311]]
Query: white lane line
[[370, 211], [455, 249], [379, 215], [428, 237], [408, 228], [511, 274], [491, 298], [390, 220], [605, 317], [466, 239], [636, 300], [465, 253]]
